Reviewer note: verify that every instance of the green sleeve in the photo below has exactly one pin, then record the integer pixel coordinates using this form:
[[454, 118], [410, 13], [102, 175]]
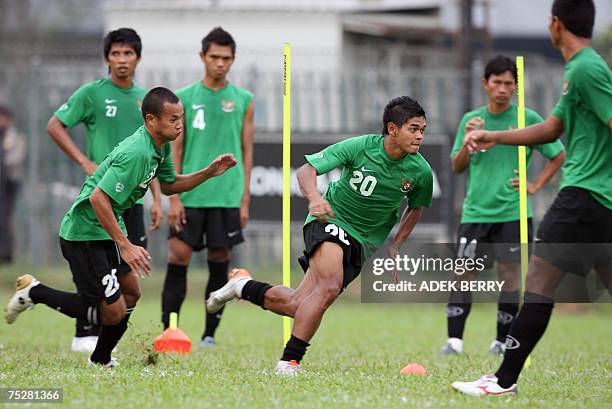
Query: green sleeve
[[550, 150], [248, 97], [166, 173], [594, 86], [422, 193], [532, 117], [122, 176], [78, 108], [459, 136], [335, 155]]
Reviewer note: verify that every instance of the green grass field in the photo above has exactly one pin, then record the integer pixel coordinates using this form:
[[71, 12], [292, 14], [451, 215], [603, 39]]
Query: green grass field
[[354, 360]]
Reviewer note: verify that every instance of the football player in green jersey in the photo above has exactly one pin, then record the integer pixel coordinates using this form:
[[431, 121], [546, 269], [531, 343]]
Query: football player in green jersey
[[110, 110], [218, 118], [93, 237], [490, 209], [348, 223], [582, 210]]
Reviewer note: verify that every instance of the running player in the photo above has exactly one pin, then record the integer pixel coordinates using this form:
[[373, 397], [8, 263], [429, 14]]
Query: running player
[[110, 110], [582, 211], [93, 237], [490, 209], [218, 118], [348, 223]]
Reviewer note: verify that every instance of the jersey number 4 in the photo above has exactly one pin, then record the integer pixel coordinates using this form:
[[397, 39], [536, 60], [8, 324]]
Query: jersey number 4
[[198, 120], [365, 186]]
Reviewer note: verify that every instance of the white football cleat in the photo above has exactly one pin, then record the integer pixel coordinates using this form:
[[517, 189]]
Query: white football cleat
[[454, 346], [84, 344], [287, 368], [207, 342], [487, 385], [497, 348], [233, 289], [110, 365], [21, 300]]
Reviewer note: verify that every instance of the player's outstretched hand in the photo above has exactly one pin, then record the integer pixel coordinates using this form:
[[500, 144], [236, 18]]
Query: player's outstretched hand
[[478, 140], [221, 164], [321, 209], [137, 258]]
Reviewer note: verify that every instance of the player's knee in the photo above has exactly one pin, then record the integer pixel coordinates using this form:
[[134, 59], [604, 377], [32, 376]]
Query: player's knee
[[218, 255], [131, 297], [178, 252], [113, 316], [329, 292]]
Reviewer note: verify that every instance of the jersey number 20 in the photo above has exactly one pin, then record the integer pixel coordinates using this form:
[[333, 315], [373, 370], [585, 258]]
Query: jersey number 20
[[366, 185], [198, 120]]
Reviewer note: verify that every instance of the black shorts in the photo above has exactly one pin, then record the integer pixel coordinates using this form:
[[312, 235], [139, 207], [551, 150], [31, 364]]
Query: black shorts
[[576, 232], [95, 265], [221, 226], [134, 223], [474, 240], [316, 233]]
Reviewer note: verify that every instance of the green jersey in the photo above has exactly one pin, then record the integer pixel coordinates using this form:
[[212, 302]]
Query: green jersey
[[110, 114], [366, 199], [490, 198], [213, 125], [585, 107], [124, 175]]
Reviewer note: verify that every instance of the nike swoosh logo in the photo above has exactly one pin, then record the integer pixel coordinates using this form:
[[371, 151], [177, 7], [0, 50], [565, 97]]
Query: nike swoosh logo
[[363, 169], [488, 392], [143, 238], [194, 106], [233, 233], [109, 101], [514, 249]]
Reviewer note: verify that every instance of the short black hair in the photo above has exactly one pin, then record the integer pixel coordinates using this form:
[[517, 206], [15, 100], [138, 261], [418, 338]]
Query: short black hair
[[220, 37], [578, 16], [499, 65], [4, 111], [153, 102], [400, 110], [125, 36]]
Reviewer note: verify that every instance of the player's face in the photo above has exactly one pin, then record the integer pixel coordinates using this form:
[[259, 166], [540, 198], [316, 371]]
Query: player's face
[[500, 87], [218, 61], [169, 125], [409, 136], [554, 31], [122, 60]]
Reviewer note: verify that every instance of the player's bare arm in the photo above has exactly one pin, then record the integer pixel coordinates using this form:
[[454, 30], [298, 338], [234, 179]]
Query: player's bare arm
[[184, 183], [537, 134], [135, 256], [552, 166], [248, 130], [176, 211], [60, 135], [461, 161], [157, 213], [317, 206], [409, 219]]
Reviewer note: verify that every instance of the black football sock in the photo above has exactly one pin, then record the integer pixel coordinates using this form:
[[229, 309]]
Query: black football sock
[[457, 311], [506, 311], [254, 291], [108, 339], [528, 328], [173, 294], [70, 304], [295, 349], [216, 280]]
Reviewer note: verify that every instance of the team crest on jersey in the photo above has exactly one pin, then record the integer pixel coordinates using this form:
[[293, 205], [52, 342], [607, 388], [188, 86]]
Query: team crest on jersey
[[565, 87], [227, 106], [406, 184]]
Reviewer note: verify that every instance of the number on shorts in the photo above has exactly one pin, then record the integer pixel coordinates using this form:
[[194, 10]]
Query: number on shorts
[[337, 232], [111, 283]]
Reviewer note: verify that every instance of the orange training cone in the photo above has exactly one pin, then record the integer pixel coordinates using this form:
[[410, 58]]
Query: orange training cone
[[173, 339]]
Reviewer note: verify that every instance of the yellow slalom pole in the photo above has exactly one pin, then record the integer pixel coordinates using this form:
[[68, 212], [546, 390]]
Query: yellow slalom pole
[[522, 160], [287, 181]]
